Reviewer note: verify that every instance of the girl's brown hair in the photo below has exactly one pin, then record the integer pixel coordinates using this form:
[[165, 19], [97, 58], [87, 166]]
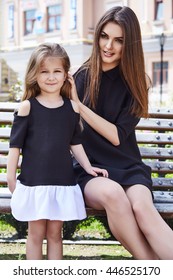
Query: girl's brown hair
[[131, 64], [39, 54]]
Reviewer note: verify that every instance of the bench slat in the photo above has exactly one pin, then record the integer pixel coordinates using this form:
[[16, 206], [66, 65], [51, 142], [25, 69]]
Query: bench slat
[[162, 183], [158, 183], [165, 210], [156, 153], [5, 132], [3, 161], [6, 117], [155, 124], [163, 113], [160, 166], [163, 197], [5, 205], [154, 138], [4, 147], [8, 106], [164, 206]]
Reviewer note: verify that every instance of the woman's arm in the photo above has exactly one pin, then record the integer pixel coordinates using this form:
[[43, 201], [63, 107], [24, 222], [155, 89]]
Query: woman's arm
[[99, 124], [12, 163], [81, 157]]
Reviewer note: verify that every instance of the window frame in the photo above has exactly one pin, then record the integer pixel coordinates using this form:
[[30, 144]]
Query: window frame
[[73, 14], [158, 10], [55, 17], [11, 21], [156, 72], [32, 20]]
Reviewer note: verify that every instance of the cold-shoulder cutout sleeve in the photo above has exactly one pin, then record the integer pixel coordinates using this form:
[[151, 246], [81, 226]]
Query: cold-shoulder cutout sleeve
[[76, 139], [18, 131]]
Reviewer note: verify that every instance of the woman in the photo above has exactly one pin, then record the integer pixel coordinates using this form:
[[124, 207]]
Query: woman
[[113, 95]]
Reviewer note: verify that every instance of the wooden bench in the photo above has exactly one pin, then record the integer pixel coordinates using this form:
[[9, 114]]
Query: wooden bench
[[155, 140]]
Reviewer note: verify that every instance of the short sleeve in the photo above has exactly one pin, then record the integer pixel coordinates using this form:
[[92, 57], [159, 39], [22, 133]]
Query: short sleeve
[[76, 139], [18, 131], [126, 124]]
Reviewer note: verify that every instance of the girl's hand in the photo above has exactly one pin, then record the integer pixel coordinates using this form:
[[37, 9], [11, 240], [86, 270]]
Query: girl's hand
[[95, 171], [74, 95], [12, 187]]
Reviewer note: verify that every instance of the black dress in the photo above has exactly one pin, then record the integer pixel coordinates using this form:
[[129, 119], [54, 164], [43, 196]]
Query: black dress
[[46, 187], [123, 162]]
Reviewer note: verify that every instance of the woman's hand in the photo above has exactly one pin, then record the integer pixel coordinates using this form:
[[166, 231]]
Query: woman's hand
[[95, 171], [74, 95]]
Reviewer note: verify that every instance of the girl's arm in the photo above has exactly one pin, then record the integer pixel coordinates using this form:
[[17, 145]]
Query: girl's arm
[[17, 138], [81, 157], [12, 163], [99, 124]]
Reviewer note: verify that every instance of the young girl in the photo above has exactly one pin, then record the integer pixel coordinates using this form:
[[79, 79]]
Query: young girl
[[46, 127]]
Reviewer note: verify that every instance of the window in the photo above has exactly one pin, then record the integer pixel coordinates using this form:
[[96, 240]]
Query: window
[[29, 18], [158, 9], [114, 3], [73, 14], [156, 73], [54, 14], [11, 21]]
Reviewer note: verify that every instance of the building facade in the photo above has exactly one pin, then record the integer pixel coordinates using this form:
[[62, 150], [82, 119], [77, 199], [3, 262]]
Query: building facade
[[71, 23]]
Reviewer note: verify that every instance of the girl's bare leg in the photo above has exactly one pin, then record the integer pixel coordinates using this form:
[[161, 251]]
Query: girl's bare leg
[[54, 240], [158, 234], [36, 234], [103, 193]]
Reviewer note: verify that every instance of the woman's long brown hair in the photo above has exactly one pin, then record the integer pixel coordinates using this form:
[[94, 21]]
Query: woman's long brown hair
[[132, 65]]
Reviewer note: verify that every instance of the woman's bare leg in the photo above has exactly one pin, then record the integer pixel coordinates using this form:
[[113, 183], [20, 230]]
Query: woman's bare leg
[[36, 234], [103, 193], [54, 240], [158, 234]]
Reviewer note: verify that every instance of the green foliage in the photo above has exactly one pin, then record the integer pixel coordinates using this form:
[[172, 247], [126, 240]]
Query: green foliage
[[169, 222], [20, 227], [69, 228], [90, 225], [16, 91]]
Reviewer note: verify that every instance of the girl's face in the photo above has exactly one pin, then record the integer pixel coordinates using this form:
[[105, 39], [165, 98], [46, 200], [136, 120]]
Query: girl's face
[[51, 75], [110, 43]]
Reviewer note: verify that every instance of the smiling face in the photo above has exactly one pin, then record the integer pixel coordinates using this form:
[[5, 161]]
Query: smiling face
[[110, 43], [51, 75]]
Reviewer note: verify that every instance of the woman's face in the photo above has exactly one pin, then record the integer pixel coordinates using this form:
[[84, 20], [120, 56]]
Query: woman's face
[[110, 43]]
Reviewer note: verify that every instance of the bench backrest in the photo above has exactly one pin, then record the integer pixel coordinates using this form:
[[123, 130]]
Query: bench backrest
[[155, 139], [154, 136]]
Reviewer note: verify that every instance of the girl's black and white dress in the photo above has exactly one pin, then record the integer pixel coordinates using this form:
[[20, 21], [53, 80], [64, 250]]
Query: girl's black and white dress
[[46, 186]]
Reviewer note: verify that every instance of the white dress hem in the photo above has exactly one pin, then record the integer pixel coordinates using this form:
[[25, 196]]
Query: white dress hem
[[64, 203]]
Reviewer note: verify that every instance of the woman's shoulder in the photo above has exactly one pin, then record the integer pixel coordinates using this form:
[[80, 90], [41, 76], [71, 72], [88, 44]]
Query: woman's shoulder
[[24, 108], [81, 73]]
